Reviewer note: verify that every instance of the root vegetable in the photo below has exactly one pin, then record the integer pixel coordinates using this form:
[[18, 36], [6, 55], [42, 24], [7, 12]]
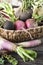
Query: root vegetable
[[6, 45], [19, 25], [30, 43], [24, 15], [25, 10], [8, 25], [30, 23], [24, 54]]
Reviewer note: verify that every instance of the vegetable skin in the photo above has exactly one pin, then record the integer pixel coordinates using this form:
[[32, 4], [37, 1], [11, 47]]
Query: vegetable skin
[[19, 25], [24, 15], [4, 44], [30, 43], [30, 23]]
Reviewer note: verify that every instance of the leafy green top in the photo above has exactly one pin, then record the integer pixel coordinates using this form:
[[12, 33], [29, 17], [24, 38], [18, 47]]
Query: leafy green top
[[27, 4], [38, 10], [8, 10]]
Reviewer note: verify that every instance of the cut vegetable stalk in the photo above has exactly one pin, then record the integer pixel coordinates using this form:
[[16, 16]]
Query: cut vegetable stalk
[[4, 44]]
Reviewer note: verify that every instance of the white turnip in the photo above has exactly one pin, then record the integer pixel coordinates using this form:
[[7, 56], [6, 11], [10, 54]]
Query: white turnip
[[30, 43], [24, 54]]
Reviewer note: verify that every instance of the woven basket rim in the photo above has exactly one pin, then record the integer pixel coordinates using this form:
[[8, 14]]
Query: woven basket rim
[[22, 30], [22, 35]]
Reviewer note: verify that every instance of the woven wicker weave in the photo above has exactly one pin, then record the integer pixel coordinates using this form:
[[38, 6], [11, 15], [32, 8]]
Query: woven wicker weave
[[21, 35]]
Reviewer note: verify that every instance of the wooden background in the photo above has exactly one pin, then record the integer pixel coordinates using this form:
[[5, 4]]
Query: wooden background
[[38, 61]]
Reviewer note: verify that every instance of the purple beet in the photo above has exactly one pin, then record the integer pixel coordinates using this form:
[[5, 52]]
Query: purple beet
[[19, 25], [30, 23]]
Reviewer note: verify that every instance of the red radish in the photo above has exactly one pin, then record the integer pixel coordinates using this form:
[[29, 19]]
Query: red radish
[[30, 23], [19, 25]]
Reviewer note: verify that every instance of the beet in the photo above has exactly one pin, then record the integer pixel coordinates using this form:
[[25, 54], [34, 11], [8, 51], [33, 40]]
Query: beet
[[25, 11], [30, 23], [19, 25], [8, 25], [24, 15]]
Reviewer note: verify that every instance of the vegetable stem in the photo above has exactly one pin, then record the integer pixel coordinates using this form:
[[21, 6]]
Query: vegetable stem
[[24, 55], [12, 60], [9, 11], [27, 4], [1, 61]]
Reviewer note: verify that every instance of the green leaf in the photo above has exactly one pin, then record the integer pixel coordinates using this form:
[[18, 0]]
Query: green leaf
[[32, 53], [1, 61], [11, 59], [26, 54], [20, 54], [9, 11]]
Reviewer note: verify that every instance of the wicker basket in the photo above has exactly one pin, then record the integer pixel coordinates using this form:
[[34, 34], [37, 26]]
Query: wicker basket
[[21, 35]]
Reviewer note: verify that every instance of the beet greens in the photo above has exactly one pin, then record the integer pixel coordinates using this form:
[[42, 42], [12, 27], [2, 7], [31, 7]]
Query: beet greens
[[8, 10], [10, 59], [38, 11], [27, 4]]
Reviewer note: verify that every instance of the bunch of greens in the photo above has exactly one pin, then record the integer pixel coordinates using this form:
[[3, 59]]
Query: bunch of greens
[[38, 10], [26, 54], [1, 61], [2, 20], [23, 53], [8, 10], [10, 59], [27, 4]]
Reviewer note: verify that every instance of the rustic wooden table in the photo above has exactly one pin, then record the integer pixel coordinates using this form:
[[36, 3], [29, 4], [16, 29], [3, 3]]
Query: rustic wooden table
[[38, 61]]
